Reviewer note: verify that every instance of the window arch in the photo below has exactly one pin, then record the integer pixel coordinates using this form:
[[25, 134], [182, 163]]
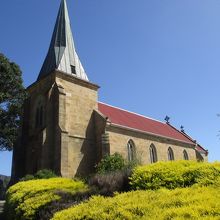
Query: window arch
[[185, 155], [153, 153], [170, 154], [131, 150], [41, 118], [39, 112]]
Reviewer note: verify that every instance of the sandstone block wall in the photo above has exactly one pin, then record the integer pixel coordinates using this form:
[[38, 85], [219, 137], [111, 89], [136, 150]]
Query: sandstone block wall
[[66, 142], [119, 138], [77, 124]]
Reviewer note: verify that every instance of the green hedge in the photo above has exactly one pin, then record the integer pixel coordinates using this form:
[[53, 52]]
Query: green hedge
[[111, 163], [41, 174], [24, 199], [182, 203], [174, 174]]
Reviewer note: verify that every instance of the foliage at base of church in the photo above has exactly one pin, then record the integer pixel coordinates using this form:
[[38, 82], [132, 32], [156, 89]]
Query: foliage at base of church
[[41, 174], [182, 203], [173, 190], [24, 199], [66, 200], [108, 183], [111, 163], [112, 175], [115, 162], [174, 174]]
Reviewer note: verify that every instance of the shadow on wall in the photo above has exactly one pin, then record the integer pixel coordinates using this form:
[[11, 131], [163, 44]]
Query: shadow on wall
[[199, 156], [88, 150]]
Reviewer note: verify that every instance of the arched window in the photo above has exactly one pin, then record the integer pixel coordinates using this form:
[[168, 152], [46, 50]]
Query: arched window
[[39, 112], [185, 155], [131, 150], [153, 153], [170, 154], [39, 116]]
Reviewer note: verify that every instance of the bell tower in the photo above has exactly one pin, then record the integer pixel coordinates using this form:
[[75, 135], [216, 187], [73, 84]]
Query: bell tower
[[58, 130]]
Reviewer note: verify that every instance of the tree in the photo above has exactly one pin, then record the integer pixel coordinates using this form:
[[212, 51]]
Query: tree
[[12, 95]]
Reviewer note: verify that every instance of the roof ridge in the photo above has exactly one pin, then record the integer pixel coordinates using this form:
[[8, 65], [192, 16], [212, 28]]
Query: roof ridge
[[187, 136], [132, 112], [183, 133], [164, 129]]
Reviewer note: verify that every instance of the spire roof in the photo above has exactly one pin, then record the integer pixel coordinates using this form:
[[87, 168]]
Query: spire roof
[[62, 54]]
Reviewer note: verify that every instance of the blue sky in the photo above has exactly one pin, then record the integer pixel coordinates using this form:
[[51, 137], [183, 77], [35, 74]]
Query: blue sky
[[153, 57]]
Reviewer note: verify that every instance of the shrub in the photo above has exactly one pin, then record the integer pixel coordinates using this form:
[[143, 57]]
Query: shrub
[[45, 174], [41, 174], [111, 163], [24, 199], [182, 203], [66, 200], [174, 174], [113, 174], [108, 183], [27, 177]]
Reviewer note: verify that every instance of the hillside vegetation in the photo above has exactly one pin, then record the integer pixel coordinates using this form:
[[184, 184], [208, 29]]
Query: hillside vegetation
[[170, 190], [161, 191], [185, 203], [171, 175], [25, 198]]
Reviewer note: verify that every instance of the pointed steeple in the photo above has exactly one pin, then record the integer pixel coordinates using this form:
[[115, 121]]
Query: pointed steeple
[[62, 54]]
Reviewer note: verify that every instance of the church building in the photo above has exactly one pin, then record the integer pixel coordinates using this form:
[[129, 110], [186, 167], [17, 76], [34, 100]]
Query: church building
[[66, 129]]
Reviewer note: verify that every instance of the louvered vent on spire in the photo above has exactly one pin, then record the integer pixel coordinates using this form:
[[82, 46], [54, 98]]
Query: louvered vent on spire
[[62, 54]]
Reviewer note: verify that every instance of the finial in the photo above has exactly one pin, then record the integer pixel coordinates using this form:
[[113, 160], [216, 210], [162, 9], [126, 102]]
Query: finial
[[167, 118], [182, 128]]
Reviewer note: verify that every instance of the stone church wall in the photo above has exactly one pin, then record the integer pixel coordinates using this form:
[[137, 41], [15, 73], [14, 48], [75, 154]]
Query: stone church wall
[[119, 138], [75, 135], [101, 146], [38, 141], [66, 141], [76, 121]]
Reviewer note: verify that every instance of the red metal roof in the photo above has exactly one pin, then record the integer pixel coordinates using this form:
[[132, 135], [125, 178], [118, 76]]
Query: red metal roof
[[201, 149], [135, 121]]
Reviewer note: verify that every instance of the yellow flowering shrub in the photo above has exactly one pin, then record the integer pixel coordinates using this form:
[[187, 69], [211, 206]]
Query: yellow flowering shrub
[[24, 199], [174, 174], [182, 203]]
